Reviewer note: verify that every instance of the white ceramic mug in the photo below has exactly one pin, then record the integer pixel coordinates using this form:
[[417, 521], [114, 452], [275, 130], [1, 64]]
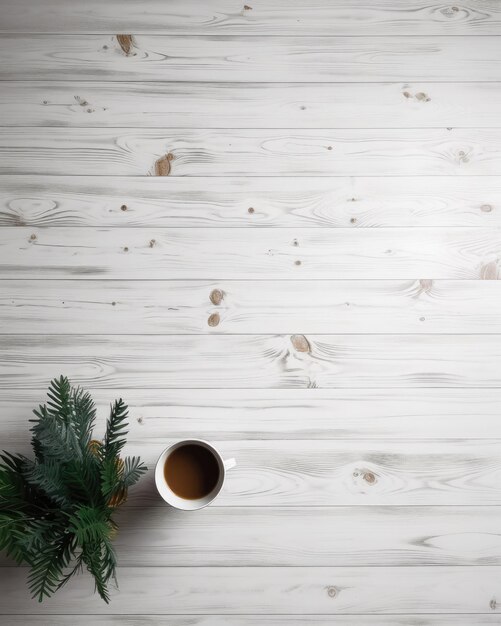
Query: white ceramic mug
[[181, 503]]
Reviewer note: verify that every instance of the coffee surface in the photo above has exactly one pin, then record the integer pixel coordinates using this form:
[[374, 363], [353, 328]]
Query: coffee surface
[[191, 471]]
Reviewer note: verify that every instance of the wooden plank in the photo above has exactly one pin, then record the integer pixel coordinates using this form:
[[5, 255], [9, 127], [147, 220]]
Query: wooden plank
[[346, 473], [414, 535], [251, 254], [268, 590], [256, 58], [320, 306], [281, 414], [251, 361], [277, 17], [226, 153], [240, 620], [398, 536], [276, 537], [316, 473], [250, 201], [256, 105]]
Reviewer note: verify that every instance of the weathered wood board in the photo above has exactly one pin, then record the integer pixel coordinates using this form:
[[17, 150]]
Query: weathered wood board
[[277, 590], [306, 202], [252, 361], [253, 254], [254, 152], [249, 105], [250, 306], [270, 17], [283, 414], [242, 58]]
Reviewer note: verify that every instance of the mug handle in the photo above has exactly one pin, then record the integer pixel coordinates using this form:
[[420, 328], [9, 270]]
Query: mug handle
[[229, 463]]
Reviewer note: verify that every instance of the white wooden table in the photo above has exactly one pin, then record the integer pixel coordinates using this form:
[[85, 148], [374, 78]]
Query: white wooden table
[[275, 226]]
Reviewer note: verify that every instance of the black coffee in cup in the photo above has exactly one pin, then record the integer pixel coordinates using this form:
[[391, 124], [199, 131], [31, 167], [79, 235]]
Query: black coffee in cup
[[192, 471]]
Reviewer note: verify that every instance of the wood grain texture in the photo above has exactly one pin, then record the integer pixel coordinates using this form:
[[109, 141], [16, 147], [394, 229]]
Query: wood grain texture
[[281, 414], [254, 152], [336, 536], [277, 17], [275, 226], [319, 473], [295, 306], [208, 202], [250, 59], [341, 536], [265, 590], [259, 254], [346, 473], [251, 361], [252, 105], [241, 620]]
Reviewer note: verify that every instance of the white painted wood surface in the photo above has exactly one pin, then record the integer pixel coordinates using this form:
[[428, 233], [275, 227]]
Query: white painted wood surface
[[341, 202], [253, 152], [399, 536], [271, 17], [263, 414], [313, 287], [254, 254], [252, 361], [242, 58], [279, 590], [249, 105], [244, 620], [250, 306]]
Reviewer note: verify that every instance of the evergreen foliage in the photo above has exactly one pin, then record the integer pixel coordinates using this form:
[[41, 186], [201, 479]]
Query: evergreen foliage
[[55, 509]]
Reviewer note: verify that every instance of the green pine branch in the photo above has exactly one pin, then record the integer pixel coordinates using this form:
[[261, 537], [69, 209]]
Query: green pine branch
[[115, 437], [55, 509]]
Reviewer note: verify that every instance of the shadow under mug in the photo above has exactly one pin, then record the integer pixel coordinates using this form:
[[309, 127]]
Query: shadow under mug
[[181, 503]]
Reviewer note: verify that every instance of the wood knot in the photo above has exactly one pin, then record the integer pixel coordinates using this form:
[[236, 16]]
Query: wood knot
[[366, 475], [126, 43], [369, 477], [332, 591], [449, 11], [490, 271], [493, 604], [123, 207], [250, 210], [163, 165], [297, 262], [421, 96], [33, 237], [214, 319], [139, 420], [300, 343], [486, 208], [126, 249], [216, 296], [425, 285], [247, 7], [152, 243]]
